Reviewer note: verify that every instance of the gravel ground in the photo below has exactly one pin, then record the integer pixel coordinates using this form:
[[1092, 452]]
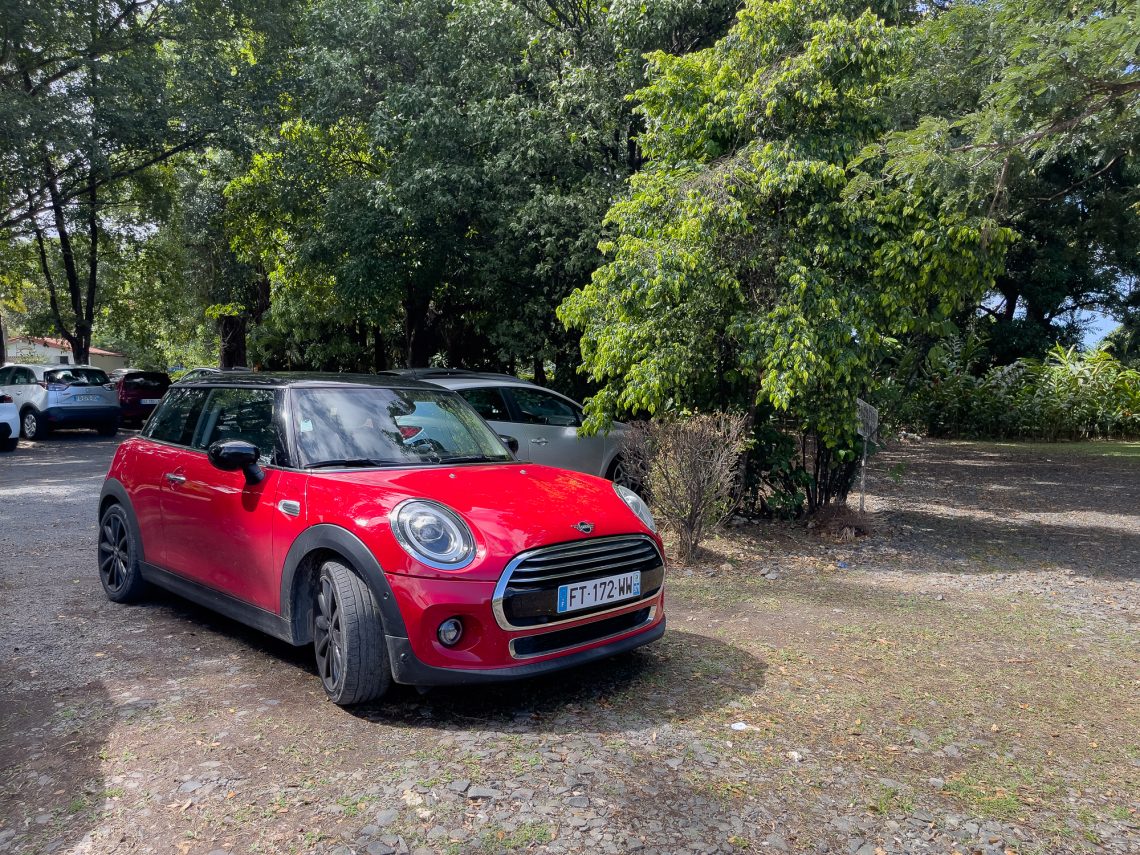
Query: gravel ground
[[963, 680]]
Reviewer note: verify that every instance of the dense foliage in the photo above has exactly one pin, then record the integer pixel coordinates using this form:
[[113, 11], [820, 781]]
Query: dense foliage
[[1066, 395], [768, 206]]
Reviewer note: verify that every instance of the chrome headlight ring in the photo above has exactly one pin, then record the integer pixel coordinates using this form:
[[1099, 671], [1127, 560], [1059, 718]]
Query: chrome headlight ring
[[433, 534]]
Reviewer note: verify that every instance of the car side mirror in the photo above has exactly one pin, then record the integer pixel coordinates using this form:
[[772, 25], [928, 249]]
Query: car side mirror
[[230, 455], [510, 442]]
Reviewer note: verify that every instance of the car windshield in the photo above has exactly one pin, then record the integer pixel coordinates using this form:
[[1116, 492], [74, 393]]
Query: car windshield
[[372, 426], [77, 376]]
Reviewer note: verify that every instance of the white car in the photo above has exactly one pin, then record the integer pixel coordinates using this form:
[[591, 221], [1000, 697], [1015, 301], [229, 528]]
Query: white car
[[9, 423], [544, 422]]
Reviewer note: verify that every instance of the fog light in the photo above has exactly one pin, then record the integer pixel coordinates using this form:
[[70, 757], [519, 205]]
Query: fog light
[[450, 631]]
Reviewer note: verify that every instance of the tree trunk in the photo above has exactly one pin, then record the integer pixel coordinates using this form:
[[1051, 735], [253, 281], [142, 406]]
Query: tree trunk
[[232, 329]]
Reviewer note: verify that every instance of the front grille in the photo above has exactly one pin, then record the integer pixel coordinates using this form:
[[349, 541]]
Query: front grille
[[528, 590], [560, 639]]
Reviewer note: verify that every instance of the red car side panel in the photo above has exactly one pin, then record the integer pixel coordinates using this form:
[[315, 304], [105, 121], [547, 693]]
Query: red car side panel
[[139, 466], [219, 529]]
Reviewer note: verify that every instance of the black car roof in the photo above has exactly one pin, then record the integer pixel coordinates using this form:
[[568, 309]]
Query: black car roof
[[312, 379]]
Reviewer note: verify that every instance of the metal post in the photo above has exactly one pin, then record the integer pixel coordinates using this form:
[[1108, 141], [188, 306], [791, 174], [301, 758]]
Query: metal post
[[863, 478]]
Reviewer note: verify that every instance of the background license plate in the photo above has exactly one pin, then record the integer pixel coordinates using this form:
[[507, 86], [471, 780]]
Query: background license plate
[[86, 398], [148, 401], [582, 595]]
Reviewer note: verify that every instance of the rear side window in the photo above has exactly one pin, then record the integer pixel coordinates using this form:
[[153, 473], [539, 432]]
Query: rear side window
[[245, 414], [488, 403], [77, 376], [147, 380], [537, 407], [5, 376], [175, 418]]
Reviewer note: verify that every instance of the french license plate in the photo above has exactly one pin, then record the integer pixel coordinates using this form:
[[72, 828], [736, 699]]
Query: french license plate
[[582, 595], [149, 401], [86, 398]]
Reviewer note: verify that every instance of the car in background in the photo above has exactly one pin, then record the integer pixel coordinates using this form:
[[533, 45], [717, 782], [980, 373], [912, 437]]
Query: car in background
[[9, 423], [380, 520], [544, 422], [206, 371], [139, 392], [61, 396]]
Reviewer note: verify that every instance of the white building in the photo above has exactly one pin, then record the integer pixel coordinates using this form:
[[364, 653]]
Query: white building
[[56, 351]]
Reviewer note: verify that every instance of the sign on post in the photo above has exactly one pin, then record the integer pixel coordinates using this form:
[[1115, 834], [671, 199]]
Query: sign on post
[[869, 430]]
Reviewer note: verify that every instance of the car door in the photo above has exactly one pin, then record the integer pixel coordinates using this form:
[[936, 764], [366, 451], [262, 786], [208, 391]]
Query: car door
[[21, 385], [219, 528], [547, 424], [166, 438]]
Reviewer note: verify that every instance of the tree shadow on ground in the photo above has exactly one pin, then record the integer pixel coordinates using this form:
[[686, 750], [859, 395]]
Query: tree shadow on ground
[[51, 785]]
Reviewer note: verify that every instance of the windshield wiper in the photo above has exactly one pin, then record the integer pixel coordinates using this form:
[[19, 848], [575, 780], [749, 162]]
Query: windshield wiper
[[348, 461]]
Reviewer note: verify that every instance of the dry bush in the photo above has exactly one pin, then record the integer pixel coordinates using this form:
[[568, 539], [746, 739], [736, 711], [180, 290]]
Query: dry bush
[[688, 467]]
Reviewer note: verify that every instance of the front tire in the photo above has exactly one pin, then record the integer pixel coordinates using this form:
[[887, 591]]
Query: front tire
[[348, 637], [33, 425], [119, 569]]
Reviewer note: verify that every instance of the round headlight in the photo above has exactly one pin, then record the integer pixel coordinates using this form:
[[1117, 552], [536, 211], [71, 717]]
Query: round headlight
[[433, 534], [637, 505]]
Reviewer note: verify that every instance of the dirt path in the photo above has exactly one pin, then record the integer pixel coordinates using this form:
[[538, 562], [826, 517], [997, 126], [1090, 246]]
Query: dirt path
[[966, 680]]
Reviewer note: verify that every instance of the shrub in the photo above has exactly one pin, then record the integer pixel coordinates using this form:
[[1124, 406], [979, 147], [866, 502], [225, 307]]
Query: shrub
[[689, 467], [1066, 395]]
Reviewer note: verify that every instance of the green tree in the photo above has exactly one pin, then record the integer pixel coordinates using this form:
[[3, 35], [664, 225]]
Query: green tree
[[93, 94], [761, 255], [440, 185]]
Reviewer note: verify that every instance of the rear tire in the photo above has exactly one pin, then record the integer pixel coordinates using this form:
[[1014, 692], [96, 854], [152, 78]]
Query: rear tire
[[8, 444], [119, 569], [348, 637], [33, 425]]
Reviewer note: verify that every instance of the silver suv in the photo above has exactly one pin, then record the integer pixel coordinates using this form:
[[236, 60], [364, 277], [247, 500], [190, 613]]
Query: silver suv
[[59, 396], [545, 423]]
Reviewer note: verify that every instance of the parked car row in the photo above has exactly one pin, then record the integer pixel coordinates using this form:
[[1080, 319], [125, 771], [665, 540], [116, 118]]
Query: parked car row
[[36, 399], [544, 423]]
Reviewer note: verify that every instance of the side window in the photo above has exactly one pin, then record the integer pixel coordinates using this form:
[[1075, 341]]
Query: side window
[[22, 377], [175, 418], [5, 374], [488, 403], [537, 407], [245, 414]]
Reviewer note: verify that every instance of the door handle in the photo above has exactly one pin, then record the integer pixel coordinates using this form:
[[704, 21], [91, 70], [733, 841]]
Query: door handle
[[175, 478], [540, 441]]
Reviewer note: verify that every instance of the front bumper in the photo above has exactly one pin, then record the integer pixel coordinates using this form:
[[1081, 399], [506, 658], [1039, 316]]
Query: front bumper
[[488, 652], [408, 669], [94, 416]]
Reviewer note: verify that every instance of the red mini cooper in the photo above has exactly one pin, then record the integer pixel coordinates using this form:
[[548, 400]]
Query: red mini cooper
[[382, 521]]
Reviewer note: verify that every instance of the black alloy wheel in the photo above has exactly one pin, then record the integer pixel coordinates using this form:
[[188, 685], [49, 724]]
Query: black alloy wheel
[[348, 637], [118, 557]]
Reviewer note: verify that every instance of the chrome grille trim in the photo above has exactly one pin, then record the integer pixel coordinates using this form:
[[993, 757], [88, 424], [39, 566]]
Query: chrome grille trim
[[593, 548]]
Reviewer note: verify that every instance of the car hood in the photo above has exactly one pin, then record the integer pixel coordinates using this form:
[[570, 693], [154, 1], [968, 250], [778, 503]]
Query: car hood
[[510, 508]]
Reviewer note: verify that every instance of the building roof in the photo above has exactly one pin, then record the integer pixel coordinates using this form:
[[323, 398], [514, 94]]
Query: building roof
[[60, 344]]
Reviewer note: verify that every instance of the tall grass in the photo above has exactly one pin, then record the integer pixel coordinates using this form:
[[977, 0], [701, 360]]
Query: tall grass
[[1066, 395]]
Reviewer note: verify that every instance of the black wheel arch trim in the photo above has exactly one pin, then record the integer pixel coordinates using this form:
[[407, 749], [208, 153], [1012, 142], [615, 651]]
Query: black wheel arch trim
[[325, 536], [409, 670], [113, 489]]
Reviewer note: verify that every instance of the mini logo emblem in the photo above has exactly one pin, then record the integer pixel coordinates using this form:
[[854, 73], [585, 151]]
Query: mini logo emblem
[[584, 527]]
